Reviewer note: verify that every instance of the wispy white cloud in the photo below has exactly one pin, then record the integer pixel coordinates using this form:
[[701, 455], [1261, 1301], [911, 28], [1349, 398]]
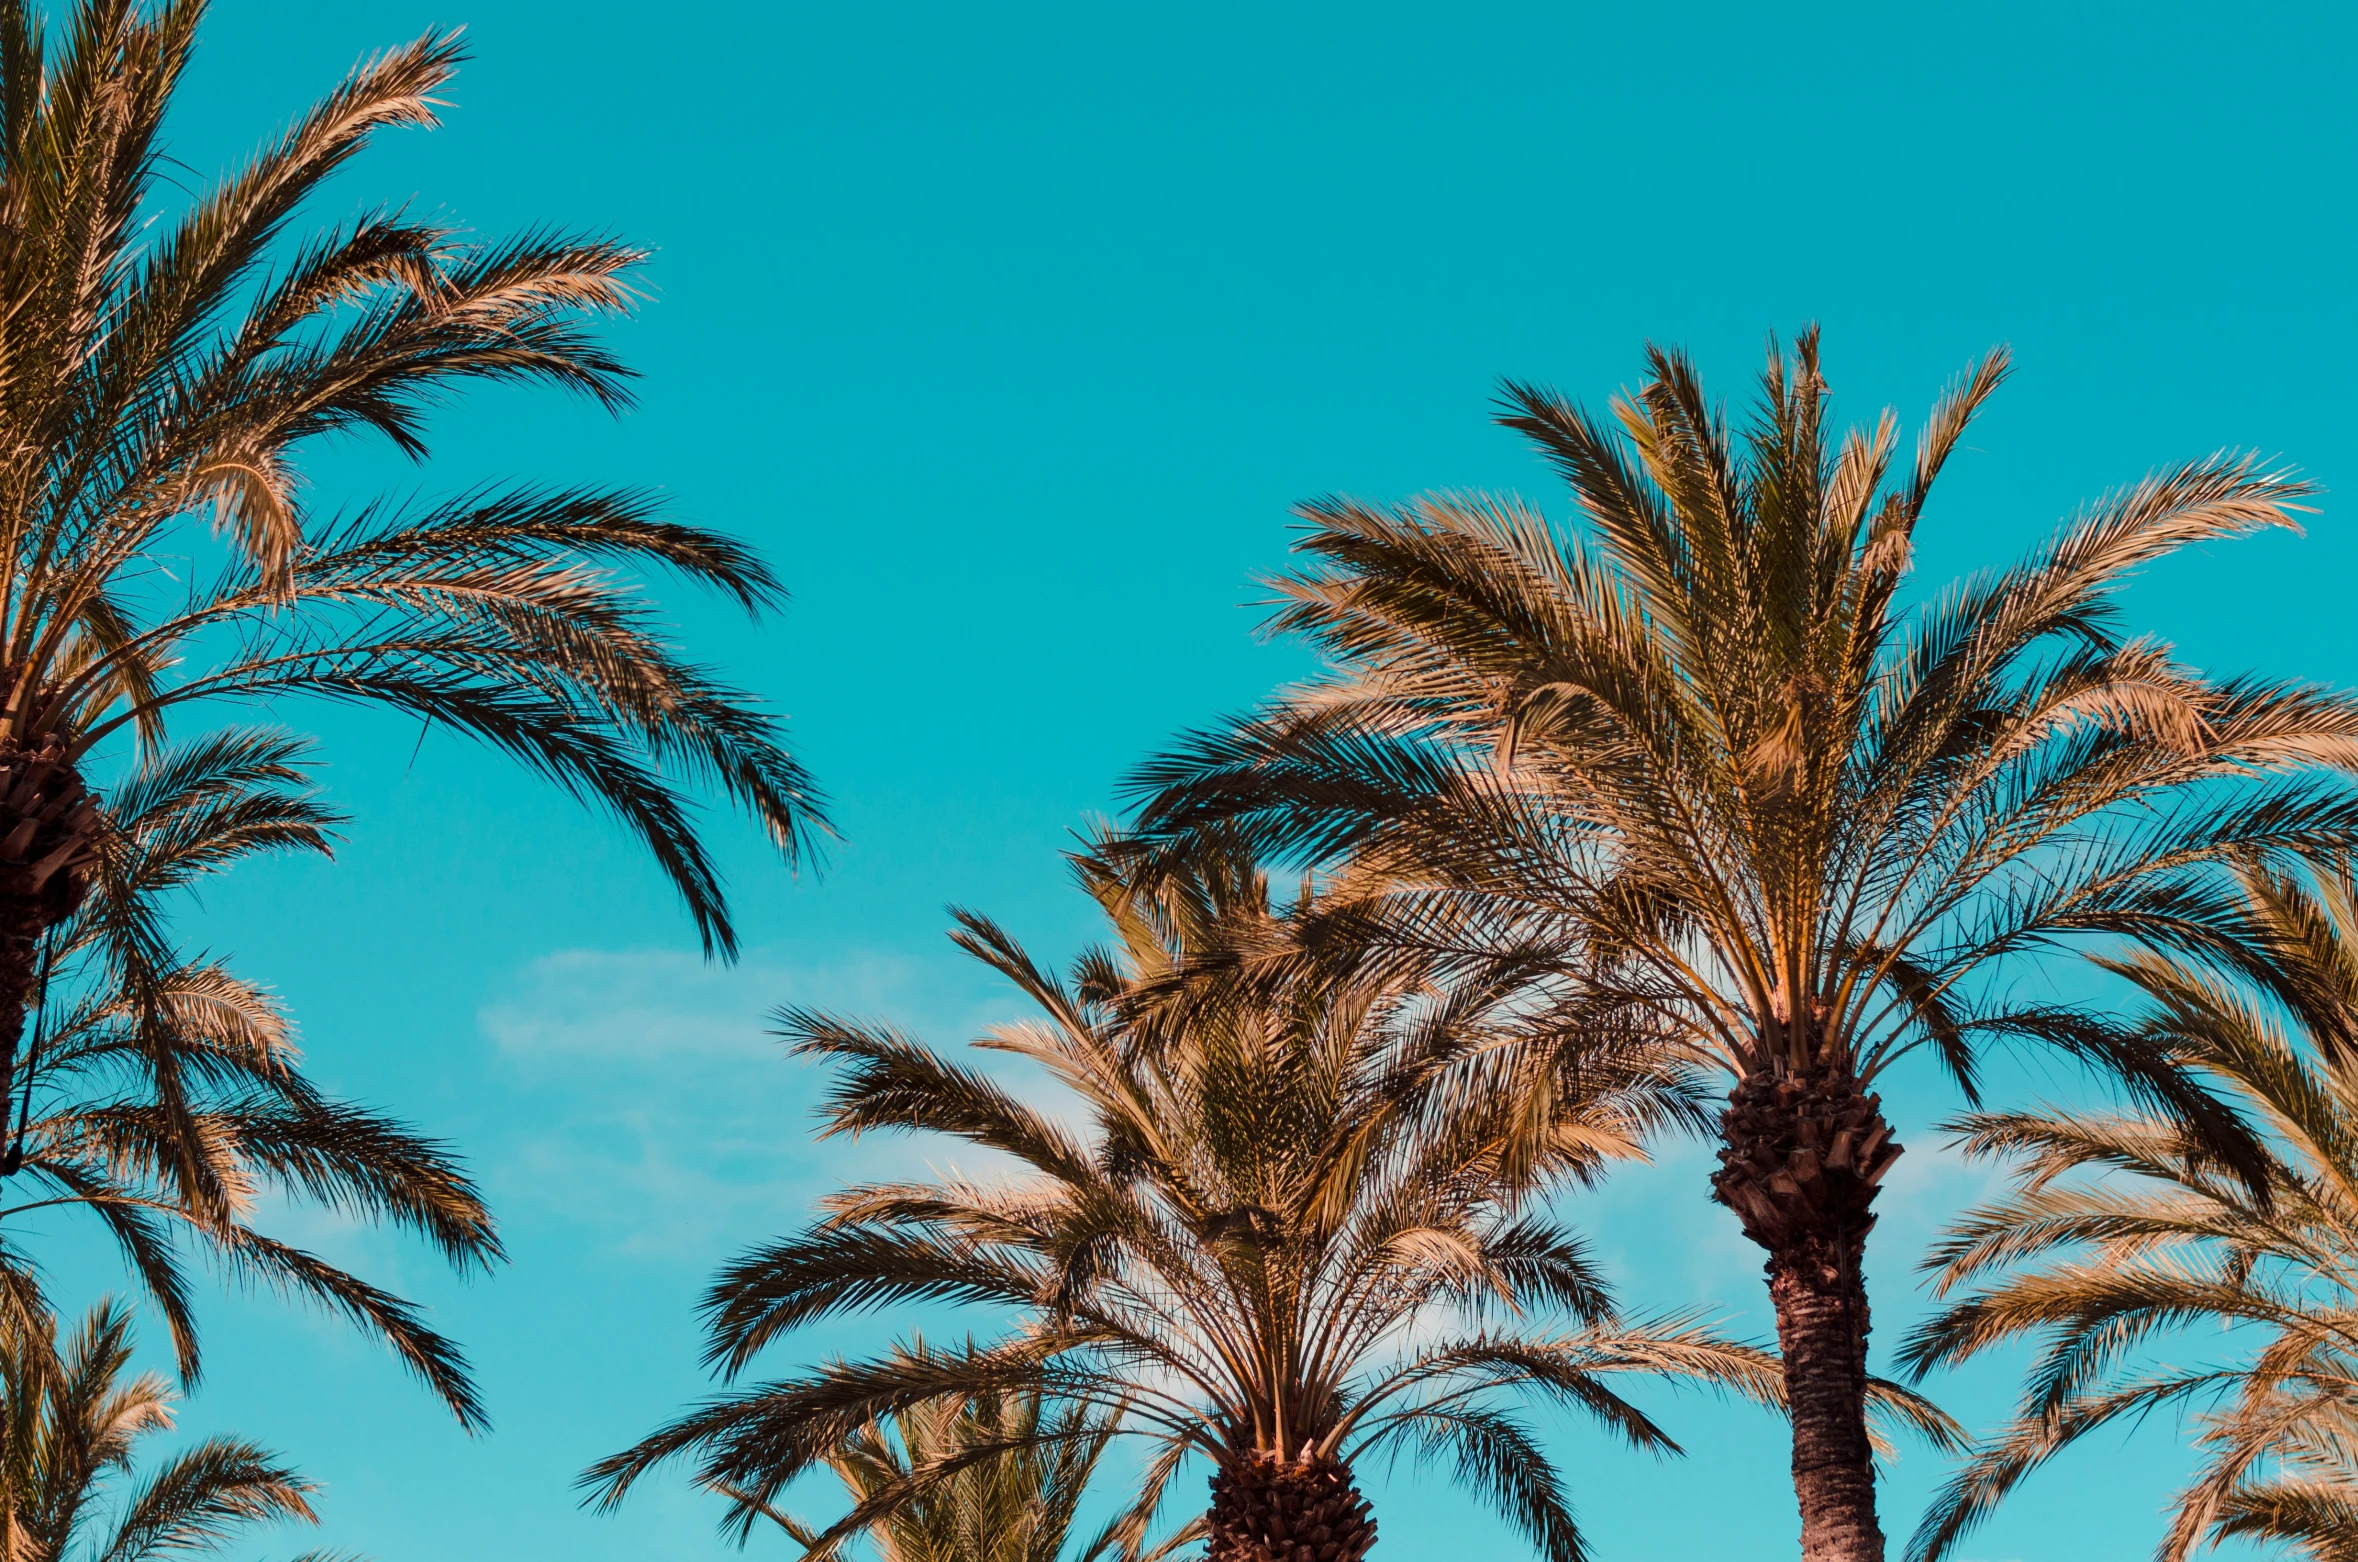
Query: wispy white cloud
[[667, 1118], [668, 1007], [1670, 1246], [1631, 1219], [1929, 1185]]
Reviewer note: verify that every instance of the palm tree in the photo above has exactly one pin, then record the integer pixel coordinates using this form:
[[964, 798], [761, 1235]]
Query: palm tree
[[164, 1097], [1019, 1505], [1230, 1236], [162, 365], [1699, 770], [74, 1420], [2123, 1229]]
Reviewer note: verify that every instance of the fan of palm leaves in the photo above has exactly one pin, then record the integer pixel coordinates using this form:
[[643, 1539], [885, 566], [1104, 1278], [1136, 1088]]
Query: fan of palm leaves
[[2123, 1230], [163, 1096], [74, 1418], [1020, 1505], [163, 363], [1232, 1237]]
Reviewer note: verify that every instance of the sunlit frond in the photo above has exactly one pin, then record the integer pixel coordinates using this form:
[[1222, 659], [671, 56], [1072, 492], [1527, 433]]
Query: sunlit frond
[[2123, 1232], [79, 1418]]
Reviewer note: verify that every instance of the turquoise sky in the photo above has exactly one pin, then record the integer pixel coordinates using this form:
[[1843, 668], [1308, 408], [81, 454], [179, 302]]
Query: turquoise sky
[[1010, 333]]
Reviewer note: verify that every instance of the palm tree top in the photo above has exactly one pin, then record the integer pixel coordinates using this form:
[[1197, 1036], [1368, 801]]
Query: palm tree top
[[1703, 746], [167, 362], [163, 1095], [1693, 766], [1019, 1502]]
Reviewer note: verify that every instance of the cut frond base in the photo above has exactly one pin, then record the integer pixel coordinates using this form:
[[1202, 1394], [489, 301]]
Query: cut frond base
[[1266, 1508], [1803, 1158]]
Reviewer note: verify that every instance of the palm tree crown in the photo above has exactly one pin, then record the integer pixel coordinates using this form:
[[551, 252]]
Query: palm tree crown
[[2124, 1229], [1702, 769], [164, 1096], [1021, 1504], [74, 1419], [1233, 1238], [161, 368]]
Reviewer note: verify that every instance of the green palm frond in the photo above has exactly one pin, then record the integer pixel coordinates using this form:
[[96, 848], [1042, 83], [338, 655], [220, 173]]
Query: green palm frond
[[986, 1479]]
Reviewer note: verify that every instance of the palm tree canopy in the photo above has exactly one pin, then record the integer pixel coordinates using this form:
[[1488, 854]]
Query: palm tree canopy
[[164, 1096], [162, 365], [1699, 768], [75, 1417], [1703, 749], [1020, 1505], [1231, 1234], [2123, 1229]]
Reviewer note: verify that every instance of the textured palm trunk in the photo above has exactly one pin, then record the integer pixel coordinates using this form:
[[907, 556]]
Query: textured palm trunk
[[1269, 1509], [48, 841], [1802, 1157]]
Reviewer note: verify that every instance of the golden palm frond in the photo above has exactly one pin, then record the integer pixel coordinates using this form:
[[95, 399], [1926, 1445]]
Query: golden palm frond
[[2125, 1230], [168, 358], [988, 1479], [75, 1418], [164, 1096], [166, 363]]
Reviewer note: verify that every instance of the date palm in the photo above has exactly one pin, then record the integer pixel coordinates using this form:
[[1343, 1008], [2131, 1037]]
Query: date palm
[[1699, 768], [2123, 1230], [164, 1098], [1216, 1237], [1021, 1504], [71, 1426], [163, 364]]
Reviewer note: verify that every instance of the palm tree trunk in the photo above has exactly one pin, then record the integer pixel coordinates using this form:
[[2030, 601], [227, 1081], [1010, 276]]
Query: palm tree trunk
[[1266, 1508], [48, 840], [1802, 1157]]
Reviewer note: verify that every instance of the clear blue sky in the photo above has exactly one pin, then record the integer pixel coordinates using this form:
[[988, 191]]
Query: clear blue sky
[[1010, 332]]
